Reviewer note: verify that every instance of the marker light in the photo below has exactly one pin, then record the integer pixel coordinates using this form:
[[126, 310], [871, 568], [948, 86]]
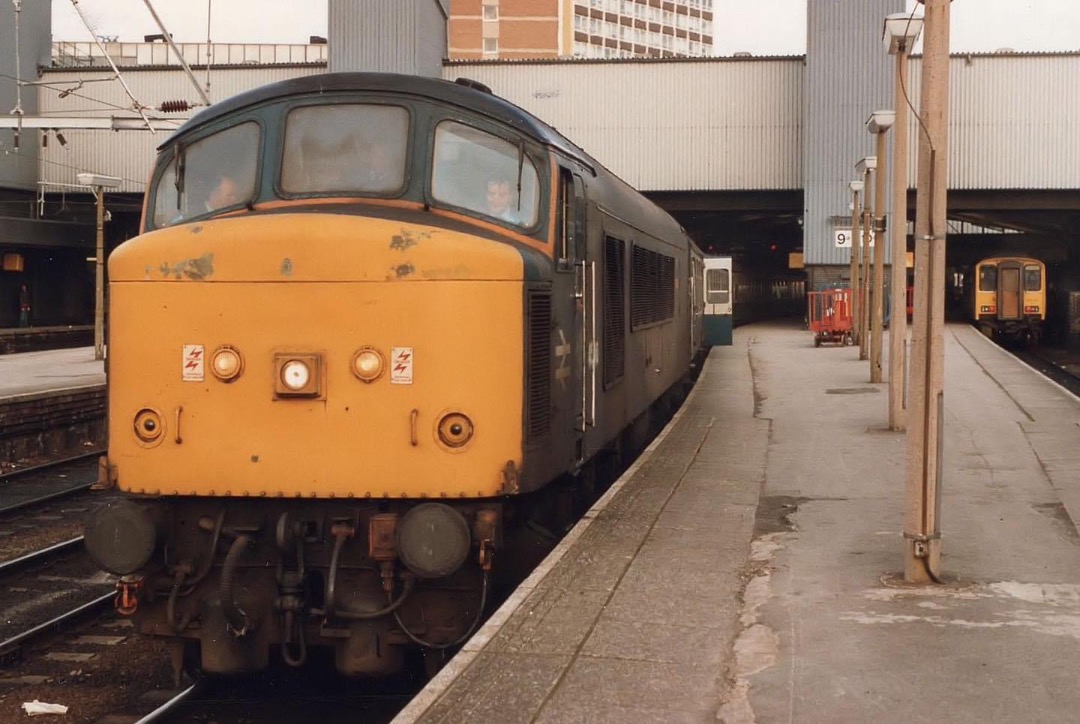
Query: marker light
[[455, 430], [149, 426], [367, 364], [295, 375], [226, 364]]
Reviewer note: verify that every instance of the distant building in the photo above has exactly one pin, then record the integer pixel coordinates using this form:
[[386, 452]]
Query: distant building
[[516, 29]]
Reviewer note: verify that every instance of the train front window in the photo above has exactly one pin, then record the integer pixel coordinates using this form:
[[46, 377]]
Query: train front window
[[1032, 278], [717, 286], [987, 278], [481, 172], [353, 148], [215, 173]]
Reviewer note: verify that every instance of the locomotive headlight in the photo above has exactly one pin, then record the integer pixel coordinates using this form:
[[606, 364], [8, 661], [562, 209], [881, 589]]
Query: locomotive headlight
[[295, 375], [149, 426], [298, 375], [433, 540], [226, 364], [367, 364], [455, 430]]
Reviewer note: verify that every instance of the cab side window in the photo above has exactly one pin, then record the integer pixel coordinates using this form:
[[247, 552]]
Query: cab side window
[[485, 174]]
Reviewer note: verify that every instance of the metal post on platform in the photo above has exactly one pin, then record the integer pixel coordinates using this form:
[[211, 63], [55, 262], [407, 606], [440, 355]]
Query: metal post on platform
[[899, 35], [98, 183], [878, 124], [856, 254], [922, 526], [865, 167]]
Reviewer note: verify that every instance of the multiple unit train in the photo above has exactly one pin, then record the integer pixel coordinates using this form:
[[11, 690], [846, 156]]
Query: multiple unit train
[[1007, 298], [369, 319]]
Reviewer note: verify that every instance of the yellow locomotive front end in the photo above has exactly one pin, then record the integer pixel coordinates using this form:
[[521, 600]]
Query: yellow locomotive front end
[[327, 356], [334, 403]]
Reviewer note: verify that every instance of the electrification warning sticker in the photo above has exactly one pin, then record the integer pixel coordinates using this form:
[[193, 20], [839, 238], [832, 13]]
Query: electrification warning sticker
[[194, 363], [401, 361]]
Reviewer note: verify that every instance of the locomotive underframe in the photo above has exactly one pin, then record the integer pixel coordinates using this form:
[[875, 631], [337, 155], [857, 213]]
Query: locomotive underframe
[[240, 584]]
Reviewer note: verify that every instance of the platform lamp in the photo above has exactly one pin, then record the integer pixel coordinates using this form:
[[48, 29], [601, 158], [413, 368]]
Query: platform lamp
[[98, 183], [878, 125], [865, 167], [856, 252], [899, 34]]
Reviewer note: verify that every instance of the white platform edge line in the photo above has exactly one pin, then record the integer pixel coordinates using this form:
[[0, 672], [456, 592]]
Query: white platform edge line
[[1014, 358]]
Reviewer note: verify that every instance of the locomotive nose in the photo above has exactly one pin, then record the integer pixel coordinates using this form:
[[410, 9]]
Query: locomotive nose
[[121, 537]]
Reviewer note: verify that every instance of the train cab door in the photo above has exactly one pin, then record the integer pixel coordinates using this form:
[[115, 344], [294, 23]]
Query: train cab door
[[572, 256], [1010, 291]]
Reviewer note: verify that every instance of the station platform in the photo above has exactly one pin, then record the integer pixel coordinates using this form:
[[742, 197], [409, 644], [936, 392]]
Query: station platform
[[748, 568], [49, 371]]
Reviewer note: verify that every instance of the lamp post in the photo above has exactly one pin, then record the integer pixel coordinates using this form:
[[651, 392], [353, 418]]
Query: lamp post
[[922, 526], [865, 166], [856, 252], [899, 35], [878, 124], [99, 183]]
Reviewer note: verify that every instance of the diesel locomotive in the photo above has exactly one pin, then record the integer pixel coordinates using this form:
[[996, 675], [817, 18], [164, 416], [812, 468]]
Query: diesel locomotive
[[368, 317]]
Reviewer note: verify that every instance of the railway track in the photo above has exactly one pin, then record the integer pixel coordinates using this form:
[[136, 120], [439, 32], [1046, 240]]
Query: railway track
[[43, 592], [1061, 366], [45, 506]]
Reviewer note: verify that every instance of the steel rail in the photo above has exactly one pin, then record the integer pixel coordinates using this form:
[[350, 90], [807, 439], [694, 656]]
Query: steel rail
[[45, 466], [9, 648], [42, 556], [66, 493], [171, 705]]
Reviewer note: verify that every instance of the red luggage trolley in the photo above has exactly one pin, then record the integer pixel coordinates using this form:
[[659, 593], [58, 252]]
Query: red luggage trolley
[[830, 316]]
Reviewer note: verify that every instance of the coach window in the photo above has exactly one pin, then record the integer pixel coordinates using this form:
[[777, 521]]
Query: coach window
[[486, 174], [350, 148], [213, 174], [717, 286], [1032, 278], [988, 278]]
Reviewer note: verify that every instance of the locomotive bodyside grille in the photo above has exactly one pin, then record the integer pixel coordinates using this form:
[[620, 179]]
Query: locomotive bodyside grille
[[614, 310], [652, 288], [538, 355]]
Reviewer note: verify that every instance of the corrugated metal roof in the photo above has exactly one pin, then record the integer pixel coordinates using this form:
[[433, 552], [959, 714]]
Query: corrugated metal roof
[[686, 125]]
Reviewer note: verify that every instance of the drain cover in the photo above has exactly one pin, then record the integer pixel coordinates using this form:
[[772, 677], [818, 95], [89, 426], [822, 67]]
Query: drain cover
[[851, 390]]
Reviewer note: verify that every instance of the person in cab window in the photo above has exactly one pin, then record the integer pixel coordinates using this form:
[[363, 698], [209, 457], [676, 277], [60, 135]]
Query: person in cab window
[[224, 194], [500, 201]]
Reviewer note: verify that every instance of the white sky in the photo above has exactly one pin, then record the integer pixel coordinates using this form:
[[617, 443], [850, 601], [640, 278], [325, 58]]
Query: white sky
[[762, 27]]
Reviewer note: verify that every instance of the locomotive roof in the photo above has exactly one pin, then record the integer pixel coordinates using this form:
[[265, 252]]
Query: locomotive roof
[[443, 91], [625, 197]]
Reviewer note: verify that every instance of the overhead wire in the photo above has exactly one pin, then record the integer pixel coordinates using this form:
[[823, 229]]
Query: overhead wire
[[51, 86]]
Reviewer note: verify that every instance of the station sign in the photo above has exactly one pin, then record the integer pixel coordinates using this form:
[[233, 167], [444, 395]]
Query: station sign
[[842, 238]]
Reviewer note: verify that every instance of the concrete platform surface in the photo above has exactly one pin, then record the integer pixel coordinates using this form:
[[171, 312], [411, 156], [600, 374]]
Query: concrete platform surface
[[748, 568], [58, 369]]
